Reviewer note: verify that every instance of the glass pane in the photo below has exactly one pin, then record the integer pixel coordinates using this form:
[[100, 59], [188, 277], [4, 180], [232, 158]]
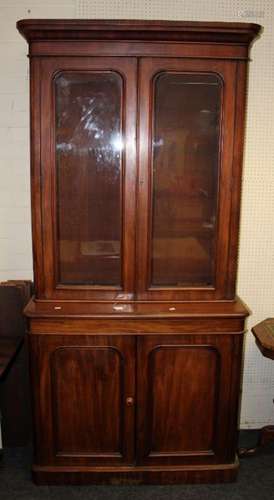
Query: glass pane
[[185, 178], [88, 161]]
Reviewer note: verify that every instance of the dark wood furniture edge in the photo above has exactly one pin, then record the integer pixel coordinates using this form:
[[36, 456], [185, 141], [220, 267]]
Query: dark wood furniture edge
[[264, 339], [14, 391], [11, 346], [25, 287], [183, 310], [136, 475], [93, 29]]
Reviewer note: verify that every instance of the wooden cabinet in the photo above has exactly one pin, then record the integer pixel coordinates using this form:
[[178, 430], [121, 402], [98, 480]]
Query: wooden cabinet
[[135, 330], [128, 399]]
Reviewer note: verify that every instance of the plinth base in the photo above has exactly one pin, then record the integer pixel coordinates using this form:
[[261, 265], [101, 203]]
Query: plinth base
[[220, 473]]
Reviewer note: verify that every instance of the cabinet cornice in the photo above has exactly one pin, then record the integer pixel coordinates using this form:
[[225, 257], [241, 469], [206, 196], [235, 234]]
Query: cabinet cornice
[[137, 30]]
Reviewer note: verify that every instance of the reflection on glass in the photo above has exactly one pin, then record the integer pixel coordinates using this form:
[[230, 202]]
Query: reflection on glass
[[88, 160], [185, 178]]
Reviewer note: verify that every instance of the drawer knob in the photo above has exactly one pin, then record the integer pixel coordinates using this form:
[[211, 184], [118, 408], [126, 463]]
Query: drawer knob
[[130, 402]]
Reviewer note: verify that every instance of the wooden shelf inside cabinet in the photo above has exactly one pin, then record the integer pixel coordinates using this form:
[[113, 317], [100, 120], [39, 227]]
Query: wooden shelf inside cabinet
[[137, 143]]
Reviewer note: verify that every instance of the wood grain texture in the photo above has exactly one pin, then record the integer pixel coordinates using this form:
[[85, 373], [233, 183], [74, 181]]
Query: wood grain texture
[[140, 327], [194, 474], [149, 68], [81, 29], [169, 49], [75, 376], [81, 386], [132, 309], [138, 382], [184, 406], [264, 335], [36, 176], [186, 57], [91, 380], [49, 203], [192, 377]]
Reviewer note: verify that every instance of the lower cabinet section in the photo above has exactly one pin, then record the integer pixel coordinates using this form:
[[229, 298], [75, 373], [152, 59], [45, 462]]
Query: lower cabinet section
[[146, 407]]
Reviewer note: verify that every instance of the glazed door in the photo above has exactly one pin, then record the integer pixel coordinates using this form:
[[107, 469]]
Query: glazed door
[[187, 121], [88, 120], [187, 400], [84, 389]]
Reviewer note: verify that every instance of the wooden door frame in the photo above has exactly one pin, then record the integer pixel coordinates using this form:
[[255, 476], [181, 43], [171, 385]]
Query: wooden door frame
[[44, 182], [229, 178]]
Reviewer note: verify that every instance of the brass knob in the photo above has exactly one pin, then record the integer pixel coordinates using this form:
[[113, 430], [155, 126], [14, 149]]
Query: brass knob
[[130, 402]]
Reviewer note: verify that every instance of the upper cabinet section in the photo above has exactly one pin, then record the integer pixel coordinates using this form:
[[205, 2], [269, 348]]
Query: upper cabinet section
[[136, 144]]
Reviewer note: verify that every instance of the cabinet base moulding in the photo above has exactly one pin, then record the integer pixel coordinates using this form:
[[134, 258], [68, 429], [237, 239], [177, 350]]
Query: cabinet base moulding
[[219, 473]]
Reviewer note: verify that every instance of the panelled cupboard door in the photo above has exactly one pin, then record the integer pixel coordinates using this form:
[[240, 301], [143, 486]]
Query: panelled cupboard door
[[187, 399], [88, 144], [84, 391], [186, 166]]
